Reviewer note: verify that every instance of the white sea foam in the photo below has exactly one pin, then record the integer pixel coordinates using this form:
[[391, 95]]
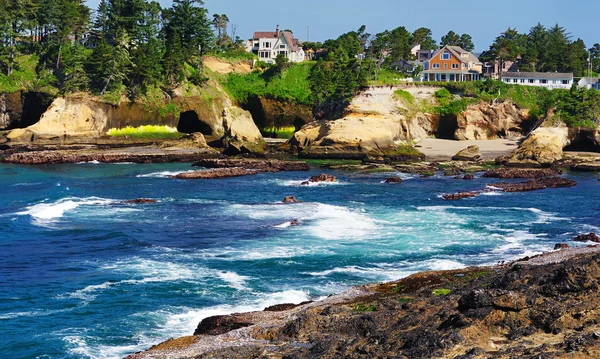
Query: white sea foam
[[85, 347], [162, 174], [377, 272], [299, 183], [33, 313], [94, 162], [44, 214], [234, 280], [443, 264]]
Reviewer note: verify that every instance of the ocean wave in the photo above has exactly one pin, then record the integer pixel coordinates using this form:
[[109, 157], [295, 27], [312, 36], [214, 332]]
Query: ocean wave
[[33, 313], [94, 162], [298, 183], [234, 280], [320, 220], [45, 214], [162, 174]]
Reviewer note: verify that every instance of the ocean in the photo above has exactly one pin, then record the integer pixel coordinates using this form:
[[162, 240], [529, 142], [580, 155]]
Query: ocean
[[83, 274]]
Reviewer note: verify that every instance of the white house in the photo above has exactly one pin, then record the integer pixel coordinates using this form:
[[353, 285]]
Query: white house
[[268, 44], [589, 83], [549, 80]]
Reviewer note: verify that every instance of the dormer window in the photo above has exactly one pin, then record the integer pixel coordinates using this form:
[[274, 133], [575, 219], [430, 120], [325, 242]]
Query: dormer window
[[446, 55]]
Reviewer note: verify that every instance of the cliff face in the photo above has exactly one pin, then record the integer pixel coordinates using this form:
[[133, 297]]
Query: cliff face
[[87, 117], [378, 120], [273, 113], [22, 109], [541, 307]]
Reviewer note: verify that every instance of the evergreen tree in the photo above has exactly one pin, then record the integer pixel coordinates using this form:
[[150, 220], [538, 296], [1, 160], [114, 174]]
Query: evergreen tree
[[466, 42], [424, 37], [450, 39], [594, 54]]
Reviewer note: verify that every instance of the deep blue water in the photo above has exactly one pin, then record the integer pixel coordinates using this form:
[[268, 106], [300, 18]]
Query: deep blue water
[[83, 275]]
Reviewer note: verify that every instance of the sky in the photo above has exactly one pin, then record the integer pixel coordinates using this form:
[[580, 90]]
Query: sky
[[483, 20]]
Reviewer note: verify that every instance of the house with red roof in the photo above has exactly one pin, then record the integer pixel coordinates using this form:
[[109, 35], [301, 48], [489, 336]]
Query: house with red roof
[[268, 44]]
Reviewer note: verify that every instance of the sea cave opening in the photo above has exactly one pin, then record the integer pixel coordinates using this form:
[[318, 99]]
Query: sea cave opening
[[584, 141], [190, 123], [447, 127]]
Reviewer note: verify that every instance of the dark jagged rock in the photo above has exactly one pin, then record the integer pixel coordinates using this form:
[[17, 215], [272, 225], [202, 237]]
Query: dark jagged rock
[[534, 184], [220, 324], [295, 222], [284, 307], [216, 173], [393, 180], [590, 237], [468, 176], [506, 173], [459, 195], [561, 246], [290, 199], [141, 200], [257, 164], [323, 177]]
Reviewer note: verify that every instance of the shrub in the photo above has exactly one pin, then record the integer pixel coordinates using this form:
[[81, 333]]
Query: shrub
[[405, 95], [148, 132], [440, 292]]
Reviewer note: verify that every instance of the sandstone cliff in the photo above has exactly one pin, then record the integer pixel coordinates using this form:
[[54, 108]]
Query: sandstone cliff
[[209, 111], [379, 120]]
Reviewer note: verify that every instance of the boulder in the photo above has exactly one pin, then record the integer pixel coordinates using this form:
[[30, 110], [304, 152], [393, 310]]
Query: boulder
[[323, 177], [468, 177], [250, 163], [470, 153], [590, 237], [541, 148], [558, 246], [290, 199], [220, 324]]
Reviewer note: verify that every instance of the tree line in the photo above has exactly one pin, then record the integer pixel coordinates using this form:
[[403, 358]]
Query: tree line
[[136, 43]]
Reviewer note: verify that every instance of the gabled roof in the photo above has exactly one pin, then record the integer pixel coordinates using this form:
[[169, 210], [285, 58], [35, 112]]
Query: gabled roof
[[265, 34], [292, 42], [539, 75], [459, 51]]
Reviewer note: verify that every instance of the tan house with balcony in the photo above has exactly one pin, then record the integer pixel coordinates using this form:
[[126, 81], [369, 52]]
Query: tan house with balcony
[[268, 44], [452, 64]]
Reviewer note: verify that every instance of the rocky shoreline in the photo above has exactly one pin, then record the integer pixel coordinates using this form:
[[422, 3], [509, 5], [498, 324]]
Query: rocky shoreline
[[539, 307]]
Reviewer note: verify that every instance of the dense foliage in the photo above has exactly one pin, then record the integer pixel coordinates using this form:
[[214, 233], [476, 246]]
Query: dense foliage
[[544, 50], [127, 46]]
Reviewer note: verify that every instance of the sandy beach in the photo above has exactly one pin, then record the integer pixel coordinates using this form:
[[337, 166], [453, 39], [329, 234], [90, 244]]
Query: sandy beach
[[441, 150]]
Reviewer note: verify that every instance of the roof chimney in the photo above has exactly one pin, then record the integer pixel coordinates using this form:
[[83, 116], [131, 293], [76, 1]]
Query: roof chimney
[[277, 32]]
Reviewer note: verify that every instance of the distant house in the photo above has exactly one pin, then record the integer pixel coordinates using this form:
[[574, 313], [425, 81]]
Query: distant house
[[589, 83], [268, 44], [493, 69], [452, 64], [90, 39], [425, 55], [549, 80]]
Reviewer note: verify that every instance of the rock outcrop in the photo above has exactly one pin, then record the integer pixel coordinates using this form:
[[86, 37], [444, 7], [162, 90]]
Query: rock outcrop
[[216, 173], [542, 147], [540, 307], [591, 237], [506, 173], [470, 153], [374, 123], [257, 164], [534, 184], [79, 116], [484, 121], [21, 109], [323, 177]]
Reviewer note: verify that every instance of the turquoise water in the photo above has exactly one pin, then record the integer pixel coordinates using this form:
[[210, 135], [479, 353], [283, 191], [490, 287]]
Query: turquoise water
[[84, 275]]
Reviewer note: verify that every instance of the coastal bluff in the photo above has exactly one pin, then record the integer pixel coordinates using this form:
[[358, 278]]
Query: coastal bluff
[[543, 306]]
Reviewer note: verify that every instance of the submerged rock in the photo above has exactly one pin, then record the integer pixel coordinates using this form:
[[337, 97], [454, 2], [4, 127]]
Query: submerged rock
[[393, 180], [257, 164], [506, 173], [216, 173], [591, 237], [534, 184], [470, 153], [141, 200], [459, 195]]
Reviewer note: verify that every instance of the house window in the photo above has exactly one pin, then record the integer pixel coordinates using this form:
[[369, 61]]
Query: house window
[[531, 81], [565, 82], [514, 81], [522, 81], [436, 66], [256, 44], [266, 45], [454, 66], [445, 66], [284, 53], [507, 80], [544, 81], [264, 54], [465, 66], [446, 55], [282, 46]]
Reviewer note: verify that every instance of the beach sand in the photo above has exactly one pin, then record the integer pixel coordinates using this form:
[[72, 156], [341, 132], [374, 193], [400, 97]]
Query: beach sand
[[442, 150]]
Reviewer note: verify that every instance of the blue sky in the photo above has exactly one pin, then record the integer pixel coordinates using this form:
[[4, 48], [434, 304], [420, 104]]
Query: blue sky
[[482, 20]]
